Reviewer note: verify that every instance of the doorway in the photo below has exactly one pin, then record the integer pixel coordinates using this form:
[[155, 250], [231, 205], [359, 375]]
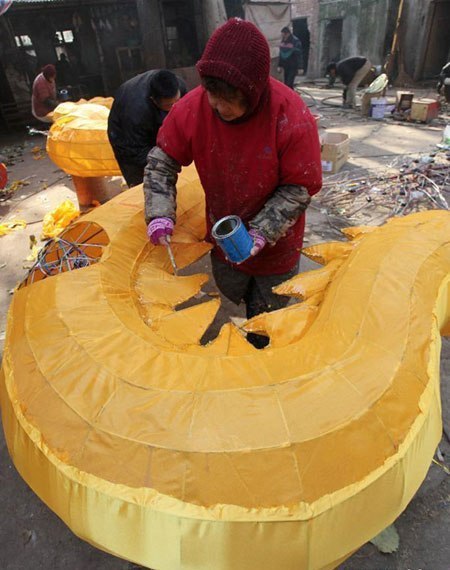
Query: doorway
[[437, 46], [332, 43], [300, 29]]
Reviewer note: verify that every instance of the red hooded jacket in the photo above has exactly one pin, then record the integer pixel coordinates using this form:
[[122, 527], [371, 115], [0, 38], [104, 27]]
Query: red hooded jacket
[[241, 164]]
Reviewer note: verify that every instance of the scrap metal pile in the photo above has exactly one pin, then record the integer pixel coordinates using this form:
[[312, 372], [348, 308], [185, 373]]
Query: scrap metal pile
[[404, 186]]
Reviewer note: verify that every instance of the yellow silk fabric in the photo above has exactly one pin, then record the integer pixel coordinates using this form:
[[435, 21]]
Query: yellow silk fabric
[[223, 457], [78, 140], [70, 106]]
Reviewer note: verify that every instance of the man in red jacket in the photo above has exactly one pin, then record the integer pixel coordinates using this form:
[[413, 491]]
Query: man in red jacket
[[256, 148]]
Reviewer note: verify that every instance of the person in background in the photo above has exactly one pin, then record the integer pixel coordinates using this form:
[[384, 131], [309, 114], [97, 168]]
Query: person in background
[[140, 106], [291, 57], [256, 149], [352, 72], [64, 71], [43, 98], [443, 85]]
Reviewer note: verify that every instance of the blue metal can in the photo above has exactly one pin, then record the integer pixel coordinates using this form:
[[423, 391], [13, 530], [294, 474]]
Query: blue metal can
[[232, 236]]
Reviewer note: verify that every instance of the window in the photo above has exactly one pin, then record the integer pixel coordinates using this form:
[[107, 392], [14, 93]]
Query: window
[[26, 62], [25, 44], [64, 37], [172, 37]]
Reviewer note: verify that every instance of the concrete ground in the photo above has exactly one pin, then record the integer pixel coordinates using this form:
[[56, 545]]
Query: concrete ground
[[31, 536]]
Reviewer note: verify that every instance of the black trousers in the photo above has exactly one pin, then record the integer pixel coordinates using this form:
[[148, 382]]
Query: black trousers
[[254, 290], [133, 173], [290, 73]]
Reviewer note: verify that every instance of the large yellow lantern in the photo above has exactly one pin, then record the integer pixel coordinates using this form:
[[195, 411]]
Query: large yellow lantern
[[223, 457]]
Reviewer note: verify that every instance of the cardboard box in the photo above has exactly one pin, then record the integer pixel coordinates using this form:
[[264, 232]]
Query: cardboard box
[[404, 100], [335, 149], [424, 110]]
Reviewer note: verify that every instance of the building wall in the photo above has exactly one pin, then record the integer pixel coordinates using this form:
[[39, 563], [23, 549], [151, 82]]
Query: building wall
[[13, 79], [366, 27], [100, 30], [414, 28], [113, 40], [425, 37], [365, 24]]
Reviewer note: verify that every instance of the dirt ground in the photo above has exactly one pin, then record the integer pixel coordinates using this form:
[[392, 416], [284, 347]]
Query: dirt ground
[[31, 536]]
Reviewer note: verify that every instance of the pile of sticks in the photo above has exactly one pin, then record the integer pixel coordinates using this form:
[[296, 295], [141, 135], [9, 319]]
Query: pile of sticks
[[406, 185]]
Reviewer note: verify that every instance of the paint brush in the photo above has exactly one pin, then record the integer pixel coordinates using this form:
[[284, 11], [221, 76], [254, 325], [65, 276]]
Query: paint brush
[[171, 256]]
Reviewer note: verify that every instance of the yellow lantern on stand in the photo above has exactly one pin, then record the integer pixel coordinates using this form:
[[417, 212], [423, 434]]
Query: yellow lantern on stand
[[78, 143]]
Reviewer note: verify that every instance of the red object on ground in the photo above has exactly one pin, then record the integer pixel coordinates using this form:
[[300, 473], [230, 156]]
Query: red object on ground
[[424, 110], [3, 176]]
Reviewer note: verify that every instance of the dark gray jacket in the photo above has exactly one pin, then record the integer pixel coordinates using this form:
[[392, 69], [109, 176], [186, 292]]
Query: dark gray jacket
[[134, 120], [347, 68]]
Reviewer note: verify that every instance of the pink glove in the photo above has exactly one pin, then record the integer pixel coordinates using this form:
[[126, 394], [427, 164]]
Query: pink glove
[[158, 230], [259, 241]]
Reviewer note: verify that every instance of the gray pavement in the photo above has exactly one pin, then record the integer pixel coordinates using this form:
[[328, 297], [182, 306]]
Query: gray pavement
[[31, 536]]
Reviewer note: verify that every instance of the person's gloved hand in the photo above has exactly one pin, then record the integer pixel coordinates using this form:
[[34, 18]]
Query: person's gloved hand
[[259, 241], [279, 69], [159, 229]]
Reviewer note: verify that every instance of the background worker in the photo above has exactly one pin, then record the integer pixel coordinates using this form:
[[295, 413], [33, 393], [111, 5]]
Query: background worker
[[140, 106], [443, 85], [256, 148], [352, 72], [43, 98], [291, 57], [64, 71]]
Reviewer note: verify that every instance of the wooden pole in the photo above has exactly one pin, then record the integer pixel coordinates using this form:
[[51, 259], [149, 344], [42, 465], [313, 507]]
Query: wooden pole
[[389, 66]]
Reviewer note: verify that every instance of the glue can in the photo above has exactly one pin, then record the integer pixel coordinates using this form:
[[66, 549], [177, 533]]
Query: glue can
[[232, 236]]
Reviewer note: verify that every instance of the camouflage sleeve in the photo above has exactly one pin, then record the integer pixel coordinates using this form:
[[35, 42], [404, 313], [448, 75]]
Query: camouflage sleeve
[[281, 211], [160, 192]]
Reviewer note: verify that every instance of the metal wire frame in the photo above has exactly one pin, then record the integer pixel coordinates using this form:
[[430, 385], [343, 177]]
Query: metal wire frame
[[80, 245]]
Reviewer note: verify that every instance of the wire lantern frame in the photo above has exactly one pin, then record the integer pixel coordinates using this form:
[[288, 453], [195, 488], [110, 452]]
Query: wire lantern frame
[[80, 245]]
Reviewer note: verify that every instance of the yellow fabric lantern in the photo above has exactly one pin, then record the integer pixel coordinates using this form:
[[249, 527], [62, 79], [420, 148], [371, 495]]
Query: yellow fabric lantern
[[223, 457], [78, 141], [69, 107]]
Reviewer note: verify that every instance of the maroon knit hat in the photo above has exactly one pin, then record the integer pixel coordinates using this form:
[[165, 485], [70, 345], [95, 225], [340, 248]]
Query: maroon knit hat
[[238, 53]]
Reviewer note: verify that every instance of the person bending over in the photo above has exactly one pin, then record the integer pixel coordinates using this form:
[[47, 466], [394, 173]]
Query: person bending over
[[138, 111], [351, 71]]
